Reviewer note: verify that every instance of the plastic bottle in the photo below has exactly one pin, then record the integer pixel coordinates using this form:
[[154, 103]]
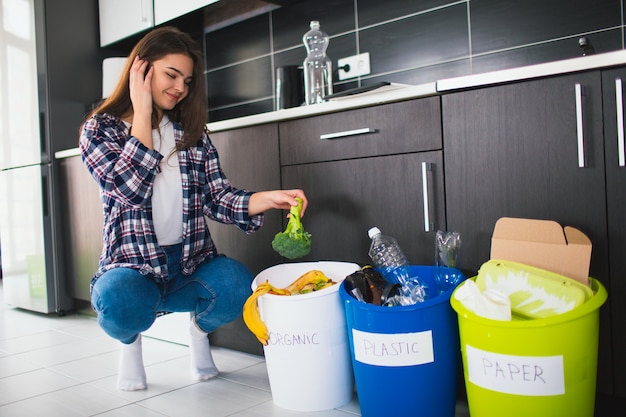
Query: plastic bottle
[[394, 266], [318, 74], [388, 257]]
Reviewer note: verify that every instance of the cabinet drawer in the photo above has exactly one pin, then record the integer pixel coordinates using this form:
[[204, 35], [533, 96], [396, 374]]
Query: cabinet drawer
[[408, 126]]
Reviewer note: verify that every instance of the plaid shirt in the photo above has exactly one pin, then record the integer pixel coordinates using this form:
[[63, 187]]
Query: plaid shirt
[[125, 169]]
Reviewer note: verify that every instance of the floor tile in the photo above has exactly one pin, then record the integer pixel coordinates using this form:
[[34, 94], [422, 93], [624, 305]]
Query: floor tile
[[10, 366], [215, 398], [253, 376], [57, 354], [30, 384], [269, 409], [132, 410], [76, 401], [90, 368], [35, 341]]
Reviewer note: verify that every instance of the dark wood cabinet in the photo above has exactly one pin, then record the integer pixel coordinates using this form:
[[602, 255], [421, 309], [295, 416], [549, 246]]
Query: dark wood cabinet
[[389, 176], [513, 150], [249, 157], [347, 198], [613, 86]]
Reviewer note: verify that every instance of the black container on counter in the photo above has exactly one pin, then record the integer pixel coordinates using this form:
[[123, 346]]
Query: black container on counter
[[289, 87]]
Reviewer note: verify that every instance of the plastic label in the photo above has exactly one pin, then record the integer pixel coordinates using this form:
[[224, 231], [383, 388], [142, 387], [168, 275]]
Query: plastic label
[[400, 349], [520, 375]]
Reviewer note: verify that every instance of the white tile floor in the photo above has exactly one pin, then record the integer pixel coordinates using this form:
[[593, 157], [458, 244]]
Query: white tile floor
[[67, 366]]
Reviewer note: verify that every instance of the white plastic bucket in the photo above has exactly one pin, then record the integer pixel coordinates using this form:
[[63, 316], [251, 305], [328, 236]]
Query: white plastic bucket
[[308, 353]]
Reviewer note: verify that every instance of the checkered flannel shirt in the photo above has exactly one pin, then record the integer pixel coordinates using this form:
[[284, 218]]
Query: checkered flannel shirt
[[125, 169]]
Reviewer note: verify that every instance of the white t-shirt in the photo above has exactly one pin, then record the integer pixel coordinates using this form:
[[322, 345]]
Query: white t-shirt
[[167, 194]]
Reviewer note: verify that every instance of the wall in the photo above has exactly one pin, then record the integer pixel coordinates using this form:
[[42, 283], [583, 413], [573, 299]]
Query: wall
[[410, 42]]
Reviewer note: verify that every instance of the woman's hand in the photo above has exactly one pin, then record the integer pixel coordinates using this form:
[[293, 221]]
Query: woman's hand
[[277, 199], [141, 97], [140, 86]]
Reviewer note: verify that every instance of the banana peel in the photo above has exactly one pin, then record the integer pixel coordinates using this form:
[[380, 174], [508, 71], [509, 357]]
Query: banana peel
[[315, 286], [310, 281], [314, 277], [251, 313]]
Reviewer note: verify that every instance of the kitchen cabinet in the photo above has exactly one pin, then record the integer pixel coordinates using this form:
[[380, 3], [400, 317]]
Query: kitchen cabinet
[[378, 166], [122, 18], [512, 151], [81, 208], [613, 99], [249, 157], [165, 10], [348, 197]]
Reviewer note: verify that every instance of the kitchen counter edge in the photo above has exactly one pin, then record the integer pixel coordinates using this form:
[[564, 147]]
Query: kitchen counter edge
[[345, 103]]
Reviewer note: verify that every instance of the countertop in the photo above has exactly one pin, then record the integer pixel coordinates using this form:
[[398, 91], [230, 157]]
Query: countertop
[[398, 92], [386, 94]]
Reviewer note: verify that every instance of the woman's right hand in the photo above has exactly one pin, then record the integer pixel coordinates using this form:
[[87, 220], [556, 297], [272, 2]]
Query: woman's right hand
[[140, 88], [276, 199]]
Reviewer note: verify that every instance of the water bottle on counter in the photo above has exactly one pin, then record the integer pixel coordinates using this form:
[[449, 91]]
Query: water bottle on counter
[[394, 266], [318, 74]]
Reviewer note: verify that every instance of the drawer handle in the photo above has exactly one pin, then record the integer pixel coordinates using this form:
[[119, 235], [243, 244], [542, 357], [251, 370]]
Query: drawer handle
[[348, 133], [427, 167], [579, 126], [619, 104]]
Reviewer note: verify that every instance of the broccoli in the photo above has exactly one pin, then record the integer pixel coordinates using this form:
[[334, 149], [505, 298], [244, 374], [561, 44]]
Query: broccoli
[[294, 242]]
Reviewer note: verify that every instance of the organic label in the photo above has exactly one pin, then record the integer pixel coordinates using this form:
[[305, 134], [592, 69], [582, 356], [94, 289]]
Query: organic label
[[520, 375], [293, 339], [401, 349]]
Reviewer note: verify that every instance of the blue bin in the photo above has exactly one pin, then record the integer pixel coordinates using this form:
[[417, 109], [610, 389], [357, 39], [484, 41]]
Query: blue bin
[[405, 358]]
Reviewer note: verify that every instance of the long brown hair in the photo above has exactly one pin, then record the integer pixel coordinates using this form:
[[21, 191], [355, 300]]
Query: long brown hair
[[191, 112]]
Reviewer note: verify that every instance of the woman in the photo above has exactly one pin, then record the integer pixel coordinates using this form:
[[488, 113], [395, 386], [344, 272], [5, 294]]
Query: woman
[[159, 176]]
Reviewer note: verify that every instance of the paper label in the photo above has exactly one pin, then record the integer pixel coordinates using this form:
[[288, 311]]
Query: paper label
[[402, 349], [520, 375]]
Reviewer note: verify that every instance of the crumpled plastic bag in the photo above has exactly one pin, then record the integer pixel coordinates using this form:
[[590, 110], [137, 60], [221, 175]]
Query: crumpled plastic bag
[[491, 304]]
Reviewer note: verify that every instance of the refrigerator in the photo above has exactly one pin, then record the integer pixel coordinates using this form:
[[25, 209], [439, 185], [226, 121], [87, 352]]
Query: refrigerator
[[42, 104]]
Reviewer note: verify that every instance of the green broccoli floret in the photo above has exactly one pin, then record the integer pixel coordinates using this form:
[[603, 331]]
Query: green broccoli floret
[[294, 242]]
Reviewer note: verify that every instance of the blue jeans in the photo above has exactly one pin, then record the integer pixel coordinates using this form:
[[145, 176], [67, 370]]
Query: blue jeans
[[127, 302]]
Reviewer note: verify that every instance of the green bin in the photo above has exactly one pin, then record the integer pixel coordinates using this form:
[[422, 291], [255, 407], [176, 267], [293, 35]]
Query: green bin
[[542, 368]]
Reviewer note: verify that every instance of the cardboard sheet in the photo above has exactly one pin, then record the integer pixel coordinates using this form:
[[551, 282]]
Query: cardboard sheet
[[543, 244]]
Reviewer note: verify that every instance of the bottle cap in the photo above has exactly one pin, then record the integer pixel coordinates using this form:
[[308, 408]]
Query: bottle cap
[[390, 291], [373, 232]]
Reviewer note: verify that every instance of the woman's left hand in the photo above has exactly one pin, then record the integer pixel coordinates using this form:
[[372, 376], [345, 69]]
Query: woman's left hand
[[276, 199]]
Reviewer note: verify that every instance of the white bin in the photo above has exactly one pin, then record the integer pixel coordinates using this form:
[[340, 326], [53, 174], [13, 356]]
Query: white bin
[[308, 354]]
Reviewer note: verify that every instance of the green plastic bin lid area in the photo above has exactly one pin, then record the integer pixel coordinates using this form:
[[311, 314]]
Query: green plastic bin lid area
[[534, 292]]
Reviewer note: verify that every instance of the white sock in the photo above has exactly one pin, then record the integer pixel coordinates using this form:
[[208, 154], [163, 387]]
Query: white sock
[[131, 375], [202, 366]]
